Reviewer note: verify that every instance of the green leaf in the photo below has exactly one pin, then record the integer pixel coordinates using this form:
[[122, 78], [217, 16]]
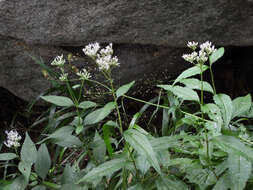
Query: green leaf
[[99, 148], [182, 92], [58, 100], [71, 186], [107, 135], [19, 183], [224, 183], [196, 84], [99, 114], [28, 150], [43, 162], [25, 169], [142, 164], [241, 105], [124, 89], [7, 156], [163, 143], [239, 171], [170, 183], [232, 145], [64, 137], [39, 187], [69, 141], [216, 55], [225, 104], [142, 145], [105, 169], [136, 187], [87, 104], [69, 175], [190, 72]]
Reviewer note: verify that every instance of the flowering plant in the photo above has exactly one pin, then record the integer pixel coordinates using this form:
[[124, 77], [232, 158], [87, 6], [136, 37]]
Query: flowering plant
[[89, 145]]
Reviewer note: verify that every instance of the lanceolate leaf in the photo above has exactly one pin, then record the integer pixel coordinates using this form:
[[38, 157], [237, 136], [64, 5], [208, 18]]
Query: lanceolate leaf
[[182, 92], [105, 169], [28, 150], [142, 145], [216, 55], [43, 162], [239, 171], [224, 102], [196, 84], [58, 100], [241, 105], [7, 156], [190, 72], [87, 104], [124, 89], [99, 114], [232, 145]]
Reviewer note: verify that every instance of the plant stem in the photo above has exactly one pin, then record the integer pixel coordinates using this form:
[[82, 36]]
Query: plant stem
[[202, 114], [212, 77], [117, 106]]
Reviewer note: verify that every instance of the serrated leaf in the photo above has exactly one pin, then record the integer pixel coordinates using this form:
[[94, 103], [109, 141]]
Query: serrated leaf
[[190, 72], [182, 92], [216, 55], [99, 114], [225, 104], [232, 145], [25, 169], [28, 150], [105, 169], [87, 104], [58, 100], [142, 145], [241, 105], [124, 89], [43, 162], [196, 84], [7, 156], [239, 171]]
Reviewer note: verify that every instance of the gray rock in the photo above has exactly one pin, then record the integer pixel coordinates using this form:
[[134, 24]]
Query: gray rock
[[152, 22]]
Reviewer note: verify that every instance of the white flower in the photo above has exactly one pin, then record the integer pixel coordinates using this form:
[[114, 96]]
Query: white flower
[[107, 50], [84, 74], [58, 61], [190, 57], [13, 138], [105, 62], [193, 45], [63, 77], [202, 57], [207, 47], [91, 49]]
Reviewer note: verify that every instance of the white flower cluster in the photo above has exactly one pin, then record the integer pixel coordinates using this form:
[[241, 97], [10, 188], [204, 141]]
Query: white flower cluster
[[91, 49], [63, 77], [206, 49], [83, 74], [58, 61], [193, 45], [103, 58], [13, 139]]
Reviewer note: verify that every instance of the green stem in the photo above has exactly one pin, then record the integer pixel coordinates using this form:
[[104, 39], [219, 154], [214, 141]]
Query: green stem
[[117, 106], [202, 114], [212, 77]]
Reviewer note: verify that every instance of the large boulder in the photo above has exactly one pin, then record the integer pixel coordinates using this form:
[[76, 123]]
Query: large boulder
[[148, 36]]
